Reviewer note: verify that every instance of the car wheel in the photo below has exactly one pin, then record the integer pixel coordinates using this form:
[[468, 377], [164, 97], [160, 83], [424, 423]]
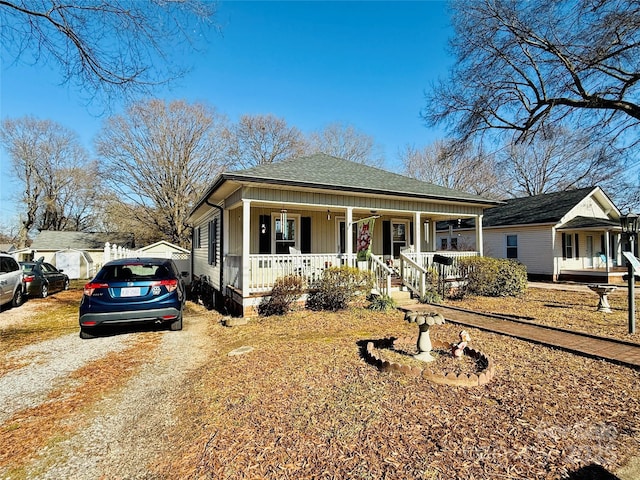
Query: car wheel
[[66, 284], [44, 291], [176, 324], [18, 298], [85, 334]]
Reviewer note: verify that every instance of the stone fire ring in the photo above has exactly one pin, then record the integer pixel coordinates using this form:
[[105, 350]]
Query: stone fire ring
[[483, 377]]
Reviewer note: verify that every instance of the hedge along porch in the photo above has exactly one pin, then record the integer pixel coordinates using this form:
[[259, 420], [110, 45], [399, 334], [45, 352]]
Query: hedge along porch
[[300, 215]]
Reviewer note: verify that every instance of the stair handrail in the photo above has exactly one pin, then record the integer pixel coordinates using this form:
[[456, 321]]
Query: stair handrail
[[382, 274], [409, 271]]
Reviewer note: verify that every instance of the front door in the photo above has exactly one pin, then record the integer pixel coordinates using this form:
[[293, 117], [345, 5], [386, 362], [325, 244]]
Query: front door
[[399, 234], [588, 260]]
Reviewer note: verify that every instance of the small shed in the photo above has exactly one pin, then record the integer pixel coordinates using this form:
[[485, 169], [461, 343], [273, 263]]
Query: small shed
[[75, 263], [181, 256]]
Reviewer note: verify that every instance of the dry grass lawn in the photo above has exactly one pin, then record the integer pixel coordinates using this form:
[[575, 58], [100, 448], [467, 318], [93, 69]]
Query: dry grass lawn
[[304, 403]]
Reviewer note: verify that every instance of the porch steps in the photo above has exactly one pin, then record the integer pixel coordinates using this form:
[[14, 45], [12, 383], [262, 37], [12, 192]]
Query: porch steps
[[402, 298]]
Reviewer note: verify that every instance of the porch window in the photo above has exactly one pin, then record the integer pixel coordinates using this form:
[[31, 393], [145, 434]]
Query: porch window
[[444, 244], [570, 246], [512, 246], [285, 234]]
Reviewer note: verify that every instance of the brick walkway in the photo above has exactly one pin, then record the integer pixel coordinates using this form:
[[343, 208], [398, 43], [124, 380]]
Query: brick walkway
[[617, 351]]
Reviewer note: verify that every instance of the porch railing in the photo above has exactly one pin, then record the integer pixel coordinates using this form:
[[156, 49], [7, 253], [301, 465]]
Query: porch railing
[[265, 269], [414, 268]]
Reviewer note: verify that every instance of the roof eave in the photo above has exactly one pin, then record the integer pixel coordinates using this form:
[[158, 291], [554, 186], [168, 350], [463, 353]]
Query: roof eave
[[345, 188]]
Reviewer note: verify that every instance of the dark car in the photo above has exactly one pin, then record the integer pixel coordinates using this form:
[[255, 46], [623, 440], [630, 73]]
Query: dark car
[[41, 278], [131, 291]]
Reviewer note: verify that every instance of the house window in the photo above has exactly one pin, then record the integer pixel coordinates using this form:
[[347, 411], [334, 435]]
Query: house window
[[285, 233], [454, 244], [512, 246], [443, 244], [567, 246], [213, 242]]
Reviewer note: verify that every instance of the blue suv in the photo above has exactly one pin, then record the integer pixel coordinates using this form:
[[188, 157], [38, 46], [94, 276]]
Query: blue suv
[[130, 291]]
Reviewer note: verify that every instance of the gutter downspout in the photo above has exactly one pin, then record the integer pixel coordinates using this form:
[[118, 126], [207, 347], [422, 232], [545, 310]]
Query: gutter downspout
[[221, 210]]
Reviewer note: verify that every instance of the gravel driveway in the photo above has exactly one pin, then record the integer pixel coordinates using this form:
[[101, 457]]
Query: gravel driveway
[[124, 430]]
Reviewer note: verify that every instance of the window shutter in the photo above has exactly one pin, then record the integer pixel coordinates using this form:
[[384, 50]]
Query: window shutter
[[305, 234], [214, 243], [212, 228], [564, 246], [264, 245], [386, 237], [576, 247], [411, 242]]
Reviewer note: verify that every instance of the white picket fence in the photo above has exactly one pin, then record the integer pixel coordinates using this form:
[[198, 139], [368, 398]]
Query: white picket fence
[[182, 260]]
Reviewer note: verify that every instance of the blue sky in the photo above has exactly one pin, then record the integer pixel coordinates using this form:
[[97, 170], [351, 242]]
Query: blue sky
[[364, 63]]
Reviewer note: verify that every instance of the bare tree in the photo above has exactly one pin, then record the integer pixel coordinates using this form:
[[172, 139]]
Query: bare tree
[[47, 160], [521, 65], [450, 165], [345, 141], [103, 46], [558, 160], [263, 139], [159, 157]]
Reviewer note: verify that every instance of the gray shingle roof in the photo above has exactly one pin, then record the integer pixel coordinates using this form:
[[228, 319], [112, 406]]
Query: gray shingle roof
[[52, 240], [324, 171], [546, 208], [590, 222]]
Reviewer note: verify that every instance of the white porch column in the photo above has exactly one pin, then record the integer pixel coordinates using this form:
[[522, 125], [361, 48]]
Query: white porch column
[[417, 233], [432, 233], [349, 239], [479, 238], [246, 236], [607, 253], [226, 217]]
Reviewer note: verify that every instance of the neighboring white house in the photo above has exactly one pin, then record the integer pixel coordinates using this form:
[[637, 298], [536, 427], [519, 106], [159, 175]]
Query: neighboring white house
[[573, 235]]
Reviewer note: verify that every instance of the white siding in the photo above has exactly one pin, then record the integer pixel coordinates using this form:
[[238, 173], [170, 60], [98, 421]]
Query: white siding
[[588, 207], [535, 247], [200, 255]]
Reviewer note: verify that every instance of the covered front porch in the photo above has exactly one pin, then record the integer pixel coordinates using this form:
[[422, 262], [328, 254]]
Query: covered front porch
[[266, 241]]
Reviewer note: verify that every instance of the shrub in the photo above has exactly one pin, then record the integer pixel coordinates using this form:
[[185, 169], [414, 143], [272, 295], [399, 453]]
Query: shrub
[[381, 303], [431, 296], [339, 286], [494, 277], [286, 291]]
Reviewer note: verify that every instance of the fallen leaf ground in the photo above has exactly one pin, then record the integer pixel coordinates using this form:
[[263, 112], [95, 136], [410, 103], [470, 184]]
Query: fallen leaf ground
[[304, 403]]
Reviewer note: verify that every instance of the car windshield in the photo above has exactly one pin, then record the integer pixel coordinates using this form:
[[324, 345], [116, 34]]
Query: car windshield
[[27, 267], [134, 271]]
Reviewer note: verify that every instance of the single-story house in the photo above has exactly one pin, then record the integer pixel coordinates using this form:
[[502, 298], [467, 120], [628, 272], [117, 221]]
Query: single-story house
[[79, 254], [564, 236], [306, 214]]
